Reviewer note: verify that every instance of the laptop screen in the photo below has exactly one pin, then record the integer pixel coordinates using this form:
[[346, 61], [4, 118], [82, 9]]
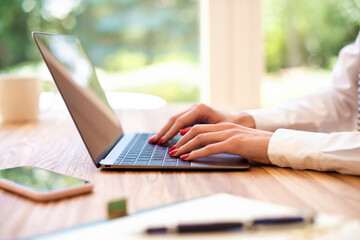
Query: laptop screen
[[77, 82]]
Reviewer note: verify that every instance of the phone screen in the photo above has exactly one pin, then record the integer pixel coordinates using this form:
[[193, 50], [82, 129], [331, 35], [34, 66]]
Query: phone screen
[[39, 179]]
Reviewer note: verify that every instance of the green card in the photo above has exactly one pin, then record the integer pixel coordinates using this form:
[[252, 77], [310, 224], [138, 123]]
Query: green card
[[117, 209]]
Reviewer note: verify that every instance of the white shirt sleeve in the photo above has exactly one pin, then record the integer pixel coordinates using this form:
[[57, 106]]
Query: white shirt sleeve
[[333, 109], [318, 151]]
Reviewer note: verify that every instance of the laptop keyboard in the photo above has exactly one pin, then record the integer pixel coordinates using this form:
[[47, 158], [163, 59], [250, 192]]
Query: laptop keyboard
[[140, 152]]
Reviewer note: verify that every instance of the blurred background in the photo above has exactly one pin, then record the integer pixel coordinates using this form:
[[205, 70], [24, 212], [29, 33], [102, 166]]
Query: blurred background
[[153, 46]]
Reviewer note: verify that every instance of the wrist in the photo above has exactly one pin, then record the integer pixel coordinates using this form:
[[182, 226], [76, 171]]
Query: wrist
[[245, 119]]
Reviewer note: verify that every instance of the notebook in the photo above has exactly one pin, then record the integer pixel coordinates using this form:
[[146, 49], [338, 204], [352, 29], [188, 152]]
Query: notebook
[[108, 145]]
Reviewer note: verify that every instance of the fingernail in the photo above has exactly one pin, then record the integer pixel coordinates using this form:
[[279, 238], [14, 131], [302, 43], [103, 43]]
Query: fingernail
[[151, 139], [184, 156], [160, 140], [184, 131], [172, 148], [173, 152]]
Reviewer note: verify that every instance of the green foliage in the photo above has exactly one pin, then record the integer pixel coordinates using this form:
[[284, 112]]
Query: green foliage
[[119, 36], [307, 32], [125, 60], [172, 91], [13, 41], [141, 31]]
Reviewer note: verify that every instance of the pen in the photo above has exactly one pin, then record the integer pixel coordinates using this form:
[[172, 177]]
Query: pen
[[229, 226]]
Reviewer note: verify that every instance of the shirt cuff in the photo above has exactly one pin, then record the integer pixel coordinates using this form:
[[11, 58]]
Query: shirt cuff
[[296, 149], [268, 119]]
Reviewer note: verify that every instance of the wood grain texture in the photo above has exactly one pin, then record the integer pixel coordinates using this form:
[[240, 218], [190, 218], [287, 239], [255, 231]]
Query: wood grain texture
[[53, 143]]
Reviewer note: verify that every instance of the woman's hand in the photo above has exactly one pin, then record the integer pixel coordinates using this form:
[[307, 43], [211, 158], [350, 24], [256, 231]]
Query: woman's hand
[[198, 113], [223, 138]]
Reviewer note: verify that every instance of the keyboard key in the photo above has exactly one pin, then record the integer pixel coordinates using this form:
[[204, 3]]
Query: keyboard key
[[146, 160], [127, 163], [133, 154], [169, 164], [146, 155], [141, 163], [155, 163], [170, 160]]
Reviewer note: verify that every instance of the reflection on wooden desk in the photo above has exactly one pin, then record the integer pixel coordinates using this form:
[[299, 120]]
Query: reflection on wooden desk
[[53, 143]]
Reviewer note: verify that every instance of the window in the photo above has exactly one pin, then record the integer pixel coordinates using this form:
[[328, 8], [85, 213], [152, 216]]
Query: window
[[135, 45], [154, 46], [302, 41]]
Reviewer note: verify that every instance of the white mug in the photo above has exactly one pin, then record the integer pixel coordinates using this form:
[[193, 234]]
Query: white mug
[[19, 98]]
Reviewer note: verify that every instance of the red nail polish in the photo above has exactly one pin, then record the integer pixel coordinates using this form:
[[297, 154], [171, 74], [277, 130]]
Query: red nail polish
[[172, 148], [184, 156], [151, 139], [160, 140], [173, 152], [184, 131]]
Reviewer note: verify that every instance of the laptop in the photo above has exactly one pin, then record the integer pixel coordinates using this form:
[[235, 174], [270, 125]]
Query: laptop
[[108, 145]]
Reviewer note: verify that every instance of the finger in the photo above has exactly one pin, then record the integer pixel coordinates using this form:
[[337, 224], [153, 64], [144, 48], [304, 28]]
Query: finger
[[184, 131], [185, 120], [200, 140], [212, 149], [203, 128], [156, 137]]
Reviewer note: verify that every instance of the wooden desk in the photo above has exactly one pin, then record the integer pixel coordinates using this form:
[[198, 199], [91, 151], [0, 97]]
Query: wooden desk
[[53, 143]]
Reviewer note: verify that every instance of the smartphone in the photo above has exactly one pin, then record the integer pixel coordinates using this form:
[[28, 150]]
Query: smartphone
[[42, 185]]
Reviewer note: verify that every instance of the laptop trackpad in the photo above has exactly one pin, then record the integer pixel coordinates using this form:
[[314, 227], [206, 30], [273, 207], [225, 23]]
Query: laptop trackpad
[[222, 159]]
